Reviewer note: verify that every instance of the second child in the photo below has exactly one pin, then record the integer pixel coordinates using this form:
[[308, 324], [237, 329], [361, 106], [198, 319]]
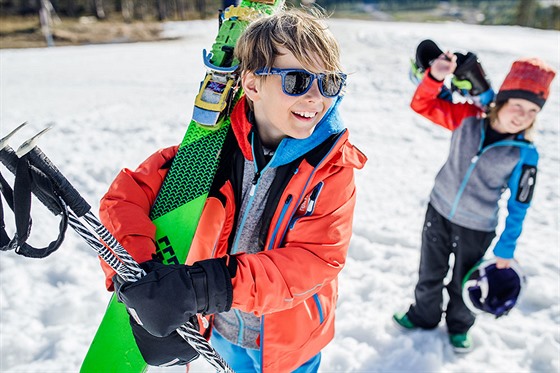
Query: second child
[[487, 156]]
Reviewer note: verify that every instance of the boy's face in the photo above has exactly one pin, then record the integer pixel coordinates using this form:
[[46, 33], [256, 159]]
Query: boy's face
[[278, 115], [516, 115]]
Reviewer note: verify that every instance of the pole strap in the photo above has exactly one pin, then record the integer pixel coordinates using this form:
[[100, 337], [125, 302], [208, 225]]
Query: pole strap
[[27, 179]]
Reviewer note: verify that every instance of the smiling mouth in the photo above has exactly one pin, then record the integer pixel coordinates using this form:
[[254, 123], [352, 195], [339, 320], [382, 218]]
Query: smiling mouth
[[306, 114]]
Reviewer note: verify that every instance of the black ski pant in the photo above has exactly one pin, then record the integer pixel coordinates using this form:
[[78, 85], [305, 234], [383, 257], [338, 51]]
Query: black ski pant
[[441, 238]]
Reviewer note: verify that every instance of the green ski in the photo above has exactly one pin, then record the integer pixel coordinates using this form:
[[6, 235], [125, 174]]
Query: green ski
[[177, 210]]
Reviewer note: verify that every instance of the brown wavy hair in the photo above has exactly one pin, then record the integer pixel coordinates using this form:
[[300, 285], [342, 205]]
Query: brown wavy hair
[[303, 33]]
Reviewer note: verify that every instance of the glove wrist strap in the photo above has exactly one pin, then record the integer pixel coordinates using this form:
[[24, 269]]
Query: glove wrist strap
[[200, 285]]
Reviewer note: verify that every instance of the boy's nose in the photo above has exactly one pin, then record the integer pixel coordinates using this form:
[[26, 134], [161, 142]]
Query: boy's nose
[[314, 92]]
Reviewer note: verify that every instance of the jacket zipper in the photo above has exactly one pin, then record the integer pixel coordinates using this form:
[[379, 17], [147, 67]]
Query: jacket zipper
[[252, 191], [319, 308], [280, 219], [241, 327], [235, 248]]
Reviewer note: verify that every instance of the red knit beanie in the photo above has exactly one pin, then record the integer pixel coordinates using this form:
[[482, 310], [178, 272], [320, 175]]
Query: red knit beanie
[[529, 78]]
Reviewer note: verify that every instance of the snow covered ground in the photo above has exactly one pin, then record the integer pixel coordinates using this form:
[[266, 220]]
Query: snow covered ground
[[112, 105]]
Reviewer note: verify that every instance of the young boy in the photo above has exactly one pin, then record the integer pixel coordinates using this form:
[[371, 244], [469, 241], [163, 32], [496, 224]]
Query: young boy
[[487, 156], [276, 226]]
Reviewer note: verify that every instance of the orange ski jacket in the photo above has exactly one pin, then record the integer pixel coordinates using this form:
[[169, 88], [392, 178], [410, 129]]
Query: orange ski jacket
[[292, 283]]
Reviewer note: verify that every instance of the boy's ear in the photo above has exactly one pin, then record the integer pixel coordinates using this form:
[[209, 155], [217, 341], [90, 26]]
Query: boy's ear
[[249, 82]]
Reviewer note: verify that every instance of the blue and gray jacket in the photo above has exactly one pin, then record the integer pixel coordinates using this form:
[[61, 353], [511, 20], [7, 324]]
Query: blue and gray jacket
[[471, 182]]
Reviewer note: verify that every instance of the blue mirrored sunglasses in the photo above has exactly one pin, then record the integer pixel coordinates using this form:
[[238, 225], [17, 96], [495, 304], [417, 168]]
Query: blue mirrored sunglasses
[[296, 82]]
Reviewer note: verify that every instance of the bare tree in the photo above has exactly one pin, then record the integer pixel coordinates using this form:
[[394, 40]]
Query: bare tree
[[141, 9], [127, 10], [180, 8], [99, 11], [201, 7], [47, 16], [161, 10], [526, 10]]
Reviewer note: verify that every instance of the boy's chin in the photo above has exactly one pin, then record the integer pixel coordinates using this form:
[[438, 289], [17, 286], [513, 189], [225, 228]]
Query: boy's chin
[[303, 135]]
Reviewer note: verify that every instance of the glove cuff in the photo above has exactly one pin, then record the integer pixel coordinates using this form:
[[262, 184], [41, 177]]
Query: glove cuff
[[212, 283]]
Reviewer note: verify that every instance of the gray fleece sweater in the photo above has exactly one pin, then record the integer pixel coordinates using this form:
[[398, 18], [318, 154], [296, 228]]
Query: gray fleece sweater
[[238, 327], [470, 183]]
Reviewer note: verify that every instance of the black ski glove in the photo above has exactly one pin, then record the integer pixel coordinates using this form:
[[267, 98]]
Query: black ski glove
[[469, 68], [166, 351], [169, 295]]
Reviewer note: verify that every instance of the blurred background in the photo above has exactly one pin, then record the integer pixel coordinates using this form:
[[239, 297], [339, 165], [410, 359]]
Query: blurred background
[[113, 103], [42, 23]]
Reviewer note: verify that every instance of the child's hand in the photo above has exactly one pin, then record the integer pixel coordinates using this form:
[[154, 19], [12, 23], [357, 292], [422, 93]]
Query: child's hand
[[169, 295], [502, 263], [444, 65]]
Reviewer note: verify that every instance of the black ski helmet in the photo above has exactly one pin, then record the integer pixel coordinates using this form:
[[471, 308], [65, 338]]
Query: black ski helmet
[[426, 52], [489, 289]]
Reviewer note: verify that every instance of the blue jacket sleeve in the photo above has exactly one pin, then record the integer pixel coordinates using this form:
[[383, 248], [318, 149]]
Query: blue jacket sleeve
[[521, 185]]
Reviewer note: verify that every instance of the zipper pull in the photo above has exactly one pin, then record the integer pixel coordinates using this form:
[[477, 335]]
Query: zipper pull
[[254, 182], [310, 206], [313, 198], [475, 158]]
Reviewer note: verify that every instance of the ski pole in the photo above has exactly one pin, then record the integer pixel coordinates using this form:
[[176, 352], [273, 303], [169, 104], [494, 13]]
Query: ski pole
[[9, 159], [105, 244]]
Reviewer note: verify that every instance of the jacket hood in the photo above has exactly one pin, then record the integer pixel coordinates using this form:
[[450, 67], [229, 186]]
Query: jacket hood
[[289, 148]]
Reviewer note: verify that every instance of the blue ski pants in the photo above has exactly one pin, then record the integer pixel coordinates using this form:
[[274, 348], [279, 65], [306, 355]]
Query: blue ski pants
[[244, 360]]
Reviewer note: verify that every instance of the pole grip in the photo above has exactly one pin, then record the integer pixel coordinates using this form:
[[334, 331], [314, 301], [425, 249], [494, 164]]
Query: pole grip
[[9, 158], [68, 193]]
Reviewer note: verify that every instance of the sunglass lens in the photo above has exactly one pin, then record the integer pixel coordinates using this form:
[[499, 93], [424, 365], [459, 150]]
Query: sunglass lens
[[297, 82], [331, 84]]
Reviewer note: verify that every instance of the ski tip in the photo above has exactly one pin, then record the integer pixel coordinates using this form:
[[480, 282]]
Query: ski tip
[[30, 144], [4, 140]]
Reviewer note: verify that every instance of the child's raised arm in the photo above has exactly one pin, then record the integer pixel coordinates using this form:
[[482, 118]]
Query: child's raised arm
[[426, 102]]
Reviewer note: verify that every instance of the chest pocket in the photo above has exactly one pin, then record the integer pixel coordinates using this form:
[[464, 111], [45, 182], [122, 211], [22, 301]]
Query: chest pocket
[[307, 205]]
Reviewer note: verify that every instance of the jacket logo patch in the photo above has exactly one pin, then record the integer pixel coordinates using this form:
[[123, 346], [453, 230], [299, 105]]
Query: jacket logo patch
[[307, 205], [526, 184], [302, 209]]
